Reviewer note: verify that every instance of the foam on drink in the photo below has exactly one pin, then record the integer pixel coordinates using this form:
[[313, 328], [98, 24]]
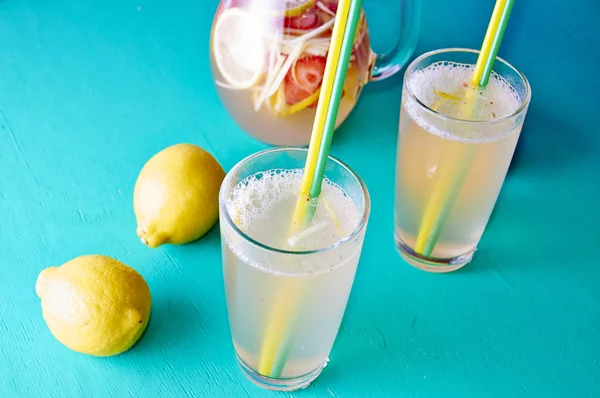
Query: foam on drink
[[262, 206], [443, 87]]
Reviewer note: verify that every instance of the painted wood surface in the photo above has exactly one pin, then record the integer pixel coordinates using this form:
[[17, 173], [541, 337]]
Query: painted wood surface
[[89, 90]]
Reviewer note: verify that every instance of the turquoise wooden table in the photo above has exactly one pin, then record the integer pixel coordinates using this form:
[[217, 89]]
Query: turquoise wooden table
[[89, 90]]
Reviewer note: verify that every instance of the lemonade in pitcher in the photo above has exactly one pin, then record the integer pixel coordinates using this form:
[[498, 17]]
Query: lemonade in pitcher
[[268, 59]]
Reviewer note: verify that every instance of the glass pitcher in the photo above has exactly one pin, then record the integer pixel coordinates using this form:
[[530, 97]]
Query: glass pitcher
[[268, 59]]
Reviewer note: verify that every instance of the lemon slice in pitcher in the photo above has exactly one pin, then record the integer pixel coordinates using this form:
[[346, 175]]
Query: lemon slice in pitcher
[[238, 48], [299, 9]]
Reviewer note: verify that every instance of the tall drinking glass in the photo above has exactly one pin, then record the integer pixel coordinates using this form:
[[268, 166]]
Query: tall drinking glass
[[287, 293], [455, 145]]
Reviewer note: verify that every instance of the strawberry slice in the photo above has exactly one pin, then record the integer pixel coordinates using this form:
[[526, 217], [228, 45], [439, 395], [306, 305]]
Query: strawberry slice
[[304, 78], [309, 20], [308, 72]]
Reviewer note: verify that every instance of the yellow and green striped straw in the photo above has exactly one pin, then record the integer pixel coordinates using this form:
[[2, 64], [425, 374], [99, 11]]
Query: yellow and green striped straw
[[277, 339], [445, 191]]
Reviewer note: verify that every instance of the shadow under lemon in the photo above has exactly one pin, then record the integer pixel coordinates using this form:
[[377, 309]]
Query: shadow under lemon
[[189, 301]]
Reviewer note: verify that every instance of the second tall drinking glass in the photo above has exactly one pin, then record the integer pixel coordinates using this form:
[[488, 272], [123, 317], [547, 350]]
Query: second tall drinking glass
[[455, 144]]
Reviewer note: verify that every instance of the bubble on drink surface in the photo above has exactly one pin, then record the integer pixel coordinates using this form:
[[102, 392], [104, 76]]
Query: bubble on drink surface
[[335, 217], [252, 201], [443, 87], [454, 79], [252, 198]]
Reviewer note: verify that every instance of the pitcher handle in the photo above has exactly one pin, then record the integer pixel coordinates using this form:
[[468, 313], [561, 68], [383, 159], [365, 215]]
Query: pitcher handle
[[390, 63]]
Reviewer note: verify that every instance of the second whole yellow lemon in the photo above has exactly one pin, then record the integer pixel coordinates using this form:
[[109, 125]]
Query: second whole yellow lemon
[[95, 304], [176, 195]]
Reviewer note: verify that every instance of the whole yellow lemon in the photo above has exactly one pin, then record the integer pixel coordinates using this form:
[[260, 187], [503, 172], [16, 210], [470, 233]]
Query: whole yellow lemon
[[176, 195], [94, 304]]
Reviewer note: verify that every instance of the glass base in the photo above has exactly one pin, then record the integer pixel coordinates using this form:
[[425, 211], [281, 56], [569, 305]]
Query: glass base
[[283, 384], [432, 264]]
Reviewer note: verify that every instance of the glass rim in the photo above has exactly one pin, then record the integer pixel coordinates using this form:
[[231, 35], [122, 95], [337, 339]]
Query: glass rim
[[411, 69], [223, 197]]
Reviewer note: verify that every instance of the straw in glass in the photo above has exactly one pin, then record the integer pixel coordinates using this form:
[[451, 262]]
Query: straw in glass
[[277, 341], [444, 193]]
